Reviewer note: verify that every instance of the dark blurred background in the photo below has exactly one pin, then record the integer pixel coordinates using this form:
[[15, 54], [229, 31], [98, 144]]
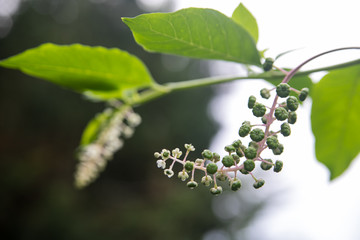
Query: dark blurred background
[[41, 125]]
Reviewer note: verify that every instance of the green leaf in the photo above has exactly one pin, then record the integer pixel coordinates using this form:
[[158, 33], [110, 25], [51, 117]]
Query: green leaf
[[94, 127], [335, 118], [244, 18], [195, 32], [102, 72]]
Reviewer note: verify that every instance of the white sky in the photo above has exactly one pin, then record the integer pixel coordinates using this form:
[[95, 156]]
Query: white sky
[[311, 208]]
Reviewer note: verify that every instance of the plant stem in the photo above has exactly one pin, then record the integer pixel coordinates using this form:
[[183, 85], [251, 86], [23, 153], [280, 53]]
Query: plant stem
[[161, 90]]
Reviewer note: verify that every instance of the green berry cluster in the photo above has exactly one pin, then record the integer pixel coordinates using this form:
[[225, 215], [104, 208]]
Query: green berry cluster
[[241, 158]]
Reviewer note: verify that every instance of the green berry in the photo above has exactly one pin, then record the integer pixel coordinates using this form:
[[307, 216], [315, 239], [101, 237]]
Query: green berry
[[259, 183], [228, 161], [237, 143], [292, 117], [235, 184], [268, 64], [192, 184], [211, 168], [249, 165], [230, 148], [292, 103], [250, 153], [281, 114], [207, 154], [216, 157], [189, 166], [244, 129], [303, 94], [257, 134], [236, 158], [285, 129], [265, 93], [243, 171], [239, 153], [216, 190], [278, 166], [259, 110], [283, 90], [278, 150], [251, 101], [254, 145], [272, 142], [264, 120], [221, 176], [266, 166]]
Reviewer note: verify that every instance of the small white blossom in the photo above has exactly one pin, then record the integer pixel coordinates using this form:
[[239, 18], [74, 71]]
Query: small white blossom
[[161, 164], [165, 154], [176, 153], [183, 175], [133, 119], [169, 172], [206, 180], [189, 147]]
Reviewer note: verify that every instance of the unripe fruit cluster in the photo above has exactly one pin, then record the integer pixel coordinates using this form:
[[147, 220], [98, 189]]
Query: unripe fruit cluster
[[242, 158]]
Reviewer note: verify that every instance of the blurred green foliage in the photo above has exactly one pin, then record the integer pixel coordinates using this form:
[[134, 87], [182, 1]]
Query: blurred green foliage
[[41, 125]]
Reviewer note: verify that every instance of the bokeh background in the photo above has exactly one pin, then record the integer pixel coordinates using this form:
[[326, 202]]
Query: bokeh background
[[41, 125]]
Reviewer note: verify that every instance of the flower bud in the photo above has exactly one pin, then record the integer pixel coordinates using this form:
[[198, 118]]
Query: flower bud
[[157, 155], [259, 183], [228, 161], [189, 166], [251, 101], [265, 93], [283, 90], [303, 94], [259, 110], [257, 134], [281, 114], [192, 184], [249, 165], [266, 166], [292, 103], [278, 166], [250, 153], [211, 168]]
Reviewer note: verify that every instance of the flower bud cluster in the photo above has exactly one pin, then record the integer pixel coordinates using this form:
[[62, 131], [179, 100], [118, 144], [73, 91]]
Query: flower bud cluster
[[120, 124], [241, 158]]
